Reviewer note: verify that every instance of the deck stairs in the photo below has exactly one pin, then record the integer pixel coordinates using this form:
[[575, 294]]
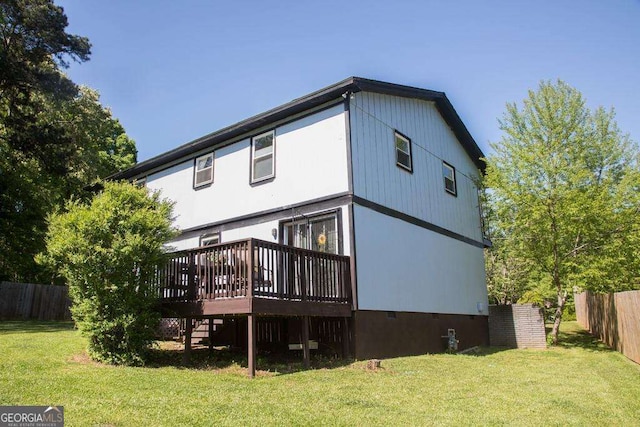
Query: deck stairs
[[200, 334]]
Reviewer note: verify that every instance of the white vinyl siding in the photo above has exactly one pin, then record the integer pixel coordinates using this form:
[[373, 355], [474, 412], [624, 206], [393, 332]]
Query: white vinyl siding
[[262, 231], [301, 176], [203, 173], [262, 157], [418, 270], [374, 119]]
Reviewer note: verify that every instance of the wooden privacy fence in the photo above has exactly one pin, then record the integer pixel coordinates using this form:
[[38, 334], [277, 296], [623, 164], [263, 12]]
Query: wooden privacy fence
[[33, 301], [614, 318]]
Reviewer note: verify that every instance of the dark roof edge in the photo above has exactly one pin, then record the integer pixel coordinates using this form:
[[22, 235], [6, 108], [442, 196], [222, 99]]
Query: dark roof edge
[[322, 96]]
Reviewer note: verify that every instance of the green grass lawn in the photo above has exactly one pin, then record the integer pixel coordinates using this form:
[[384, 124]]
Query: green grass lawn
[[578, 383]]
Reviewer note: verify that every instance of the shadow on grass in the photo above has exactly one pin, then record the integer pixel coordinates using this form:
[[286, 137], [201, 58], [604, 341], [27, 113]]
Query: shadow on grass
[[236, 359], [575, 337], [34, 326], [571, 336], [487, 351]]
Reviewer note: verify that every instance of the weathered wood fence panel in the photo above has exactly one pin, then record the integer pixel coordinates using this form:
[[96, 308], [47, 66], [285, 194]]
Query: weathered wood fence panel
[[614, 318], [34, 301]]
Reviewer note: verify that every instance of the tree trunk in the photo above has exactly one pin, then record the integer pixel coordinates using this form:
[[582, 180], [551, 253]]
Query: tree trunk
[[562, 299], [562, 295]]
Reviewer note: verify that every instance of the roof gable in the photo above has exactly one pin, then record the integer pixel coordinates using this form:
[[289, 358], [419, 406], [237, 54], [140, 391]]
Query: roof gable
[[322, 96]]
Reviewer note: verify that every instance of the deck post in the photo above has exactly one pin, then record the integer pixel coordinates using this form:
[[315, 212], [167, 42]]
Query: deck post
[[251, 345], [250, 267], [210, 334], [305, 341], [345, 338], [191, 277], [186, 356], [303, 276]]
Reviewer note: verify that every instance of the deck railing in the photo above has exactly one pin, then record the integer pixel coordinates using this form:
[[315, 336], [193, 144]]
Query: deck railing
[[254, 268]]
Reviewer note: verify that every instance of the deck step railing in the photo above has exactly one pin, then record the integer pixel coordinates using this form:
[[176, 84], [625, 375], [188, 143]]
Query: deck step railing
[[255, 268]]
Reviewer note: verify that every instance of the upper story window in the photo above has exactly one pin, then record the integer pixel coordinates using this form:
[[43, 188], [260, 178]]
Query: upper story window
[[449, 174], [203, 173], [403, 152], [262, 156]]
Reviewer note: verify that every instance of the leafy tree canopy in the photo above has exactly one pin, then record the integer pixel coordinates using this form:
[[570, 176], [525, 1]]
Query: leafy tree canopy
[[34, 46], [55, 137], [82, 143], [564, 184]]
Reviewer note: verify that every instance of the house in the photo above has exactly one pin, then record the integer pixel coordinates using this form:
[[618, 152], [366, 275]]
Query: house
[[346, 219]]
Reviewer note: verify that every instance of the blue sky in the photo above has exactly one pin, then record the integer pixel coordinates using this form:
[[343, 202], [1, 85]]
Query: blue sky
[[172, 71]]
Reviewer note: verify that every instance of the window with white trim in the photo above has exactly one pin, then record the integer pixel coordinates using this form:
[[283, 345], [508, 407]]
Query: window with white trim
[[209, 239], [449, 174], [262, 156], [203, 173], [403, 151]]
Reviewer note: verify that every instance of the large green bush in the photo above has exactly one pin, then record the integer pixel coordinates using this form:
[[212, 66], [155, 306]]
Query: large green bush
[[108, 251]]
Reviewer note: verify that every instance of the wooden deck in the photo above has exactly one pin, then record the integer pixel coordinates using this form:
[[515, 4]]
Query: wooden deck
[[255, 277]]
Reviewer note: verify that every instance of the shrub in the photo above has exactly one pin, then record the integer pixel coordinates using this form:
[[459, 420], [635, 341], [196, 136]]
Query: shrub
[[108, 251]]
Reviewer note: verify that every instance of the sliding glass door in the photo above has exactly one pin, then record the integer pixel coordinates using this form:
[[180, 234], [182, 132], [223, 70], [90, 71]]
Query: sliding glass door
[[318, 234]]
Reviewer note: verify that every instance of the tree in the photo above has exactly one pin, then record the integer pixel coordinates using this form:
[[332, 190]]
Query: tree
[[55, 138], [34, 46], [564, 182], [108, 251], [507, 272], [96, 142], [87, 144]]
